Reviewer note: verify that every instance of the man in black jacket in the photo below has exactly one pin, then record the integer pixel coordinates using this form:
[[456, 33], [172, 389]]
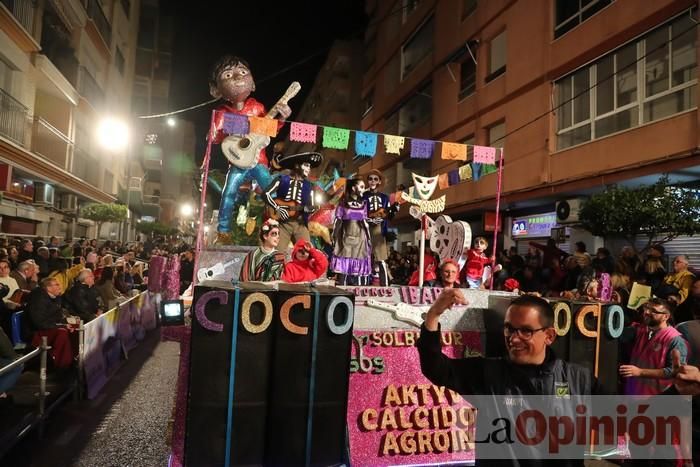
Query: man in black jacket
[[530, 368], [81, 299], [47, 319]]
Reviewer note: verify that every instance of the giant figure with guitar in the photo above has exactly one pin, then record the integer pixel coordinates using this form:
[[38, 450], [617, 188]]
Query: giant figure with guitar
[[232, 81], [290, 196]]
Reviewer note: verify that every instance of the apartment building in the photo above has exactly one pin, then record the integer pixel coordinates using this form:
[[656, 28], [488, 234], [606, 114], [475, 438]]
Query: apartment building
[[579, 94], [334, 100], [167, 152], [64, 65]]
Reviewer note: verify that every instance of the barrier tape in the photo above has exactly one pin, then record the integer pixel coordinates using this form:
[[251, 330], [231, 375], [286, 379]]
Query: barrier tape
[[232, 375], [312, 379]]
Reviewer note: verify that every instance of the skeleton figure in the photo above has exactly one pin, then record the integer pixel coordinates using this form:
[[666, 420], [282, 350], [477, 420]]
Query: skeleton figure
[[379, 211]]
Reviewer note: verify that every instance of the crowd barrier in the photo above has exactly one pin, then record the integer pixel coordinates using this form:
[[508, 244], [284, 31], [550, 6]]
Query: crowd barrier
[[117, 331]]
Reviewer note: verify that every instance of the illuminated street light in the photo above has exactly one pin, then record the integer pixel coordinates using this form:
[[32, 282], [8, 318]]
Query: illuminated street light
[[186, 210], [113, 134], [171, 122]]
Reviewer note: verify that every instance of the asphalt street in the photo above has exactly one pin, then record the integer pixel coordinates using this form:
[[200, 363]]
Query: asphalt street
[[126, 425]]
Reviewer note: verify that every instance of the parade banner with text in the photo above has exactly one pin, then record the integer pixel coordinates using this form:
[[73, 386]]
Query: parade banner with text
[[395, 415]]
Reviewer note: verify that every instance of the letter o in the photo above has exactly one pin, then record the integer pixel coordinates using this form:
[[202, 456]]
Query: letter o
[[615, 331], [245, 313], [521, 427], [330, 316], [559, 308]]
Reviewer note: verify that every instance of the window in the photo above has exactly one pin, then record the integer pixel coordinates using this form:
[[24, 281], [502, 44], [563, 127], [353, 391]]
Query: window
[[144, 62], [497, 56], [119, 61], [6, 77], [416, 111], [418, 47], [467, 78], [391, 75], [571, 13], [370, 50], [147, 27], [496, 134], [162, 68], [409, 6], [368, 102], [468, 7], [652, 78]]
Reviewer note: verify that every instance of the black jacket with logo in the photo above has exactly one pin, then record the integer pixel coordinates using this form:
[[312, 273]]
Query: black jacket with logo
[[498, 376]]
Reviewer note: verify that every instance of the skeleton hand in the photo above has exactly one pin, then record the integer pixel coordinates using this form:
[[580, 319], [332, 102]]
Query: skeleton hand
[[282, 212]]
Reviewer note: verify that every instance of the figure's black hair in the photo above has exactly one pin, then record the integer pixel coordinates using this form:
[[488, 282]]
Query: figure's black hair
[[223, 63]]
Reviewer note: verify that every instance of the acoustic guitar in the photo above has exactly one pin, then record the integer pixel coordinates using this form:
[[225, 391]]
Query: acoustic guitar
[[243, 151], [293, 209]]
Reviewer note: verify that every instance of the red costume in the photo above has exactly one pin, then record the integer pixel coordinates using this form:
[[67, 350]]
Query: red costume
[[251, 108], [307, 270], [476, 261]]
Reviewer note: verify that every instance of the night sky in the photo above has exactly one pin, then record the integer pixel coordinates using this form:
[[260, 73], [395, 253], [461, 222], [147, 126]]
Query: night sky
[[271, 36]]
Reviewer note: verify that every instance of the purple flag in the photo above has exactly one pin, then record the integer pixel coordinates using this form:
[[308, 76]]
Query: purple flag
[[422, 148], [453, 177], [235, 124]]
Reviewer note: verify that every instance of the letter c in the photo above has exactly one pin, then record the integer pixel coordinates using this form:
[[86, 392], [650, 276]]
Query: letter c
[[286, 308], [330, 317], [219, 295], [581, 319]]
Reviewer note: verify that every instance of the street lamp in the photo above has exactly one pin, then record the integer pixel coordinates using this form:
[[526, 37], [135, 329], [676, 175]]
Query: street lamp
[[186, 210], [113, 135], [171, 122]]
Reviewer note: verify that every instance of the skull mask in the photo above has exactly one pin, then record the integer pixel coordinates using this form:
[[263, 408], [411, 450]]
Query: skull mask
[[425, 186]]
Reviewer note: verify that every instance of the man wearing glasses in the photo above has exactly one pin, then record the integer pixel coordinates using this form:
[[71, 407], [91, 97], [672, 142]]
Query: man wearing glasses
[[529, 368], [650, 370], [264, 263]]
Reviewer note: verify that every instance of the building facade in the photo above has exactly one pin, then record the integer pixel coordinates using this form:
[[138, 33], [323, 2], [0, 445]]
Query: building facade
[[334, 100], [579, 94], [64, 65]]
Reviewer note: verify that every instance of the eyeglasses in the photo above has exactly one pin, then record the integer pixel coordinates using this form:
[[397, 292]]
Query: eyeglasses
[[651, 309], [524, 333]]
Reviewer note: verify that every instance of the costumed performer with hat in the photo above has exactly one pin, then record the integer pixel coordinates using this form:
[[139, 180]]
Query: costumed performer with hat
[[379, 211], [290, 196]]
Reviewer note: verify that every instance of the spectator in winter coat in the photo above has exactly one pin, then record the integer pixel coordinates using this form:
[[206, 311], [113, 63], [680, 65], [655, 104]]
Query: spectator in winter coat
[[82, 299], [307, 263]]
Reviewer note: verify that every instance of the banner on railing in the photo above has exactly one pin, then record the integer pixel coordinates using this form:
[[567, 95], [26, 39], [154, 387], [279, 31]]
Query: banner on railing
[[114, 332]]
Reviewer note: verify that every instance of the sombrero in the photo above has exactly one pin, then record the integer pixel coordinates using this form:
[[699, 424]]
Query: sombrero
[[290, 160]]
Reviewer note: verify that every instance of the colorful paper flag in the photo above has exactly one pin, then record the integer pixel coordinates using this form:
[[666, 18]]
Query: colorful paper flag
[[454, 151], [484, 155], [335, 138], [393, 144], [422, 148], [235, 124], [443, 181], [453, 177], [465, 172], [488, 169], [263, 126], [476, 171], [302, 132], [365, 143]]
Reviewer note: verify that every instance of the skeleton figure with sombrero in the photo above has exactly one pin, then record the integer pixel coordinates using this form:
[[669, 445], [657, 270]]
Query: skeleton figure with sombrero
[[379, 211], [290, 196]]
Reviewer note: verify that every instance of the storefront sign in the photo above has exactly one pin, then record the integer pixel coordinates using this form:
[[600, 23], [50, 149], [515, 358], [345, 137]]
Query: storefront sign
[[490, 222], [539, 225]]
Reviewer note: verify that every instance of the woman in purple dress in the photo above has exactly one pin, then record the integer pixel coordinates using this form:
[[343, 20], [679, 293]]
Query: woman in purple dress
[[352, 250]]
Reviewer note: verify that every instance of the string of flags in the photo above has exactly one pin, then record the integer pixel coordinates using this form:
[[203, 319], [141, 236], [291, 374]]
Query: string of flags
[[366, 144]]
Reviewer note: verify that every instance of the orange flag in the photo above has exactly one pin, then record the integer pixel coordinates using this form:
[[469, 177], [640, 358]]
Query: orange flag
[[454, 151], [263, 126]]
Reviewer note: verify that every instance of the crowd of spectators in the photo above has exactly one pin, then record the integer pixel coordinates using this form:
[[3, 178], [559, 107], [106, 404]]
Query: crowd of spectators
[[59, 284]]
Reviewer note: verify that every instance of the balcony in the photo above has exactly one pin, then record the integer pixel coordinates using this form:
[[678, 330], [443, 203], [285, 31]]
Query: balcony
[[23, 11], [58, 76], [89, 89], [50, 143], [100, 20], [13, 118], [85, 167]]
